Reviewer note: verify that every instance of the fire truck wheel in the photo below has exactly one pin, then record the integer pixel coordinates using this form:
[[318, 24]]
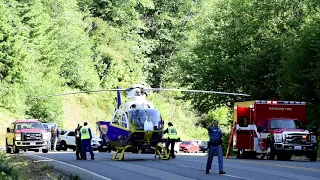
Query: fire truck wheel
[[240, 153], [271, 154], [313, 156], [14, 148]]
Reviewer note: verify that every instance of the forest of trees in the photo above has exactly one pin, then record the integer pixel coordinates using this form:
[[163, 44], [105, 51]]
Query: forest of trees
[[266, 48]]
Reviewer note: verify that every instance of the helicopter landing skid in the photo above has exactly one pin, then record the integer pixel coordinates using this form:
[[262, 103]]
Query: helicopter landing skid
[[118, 149], [165, 153]]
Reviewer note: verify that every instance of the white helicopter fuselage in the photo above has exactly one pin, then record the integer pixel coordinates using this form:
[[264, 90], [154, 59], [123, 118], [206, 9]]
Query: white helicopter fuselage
[[137, 102]]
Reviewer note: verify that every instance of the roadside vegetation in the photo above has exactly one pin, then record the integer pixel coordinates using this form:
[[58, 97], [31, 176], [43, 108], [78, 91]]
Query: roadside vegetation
[[15, 167]]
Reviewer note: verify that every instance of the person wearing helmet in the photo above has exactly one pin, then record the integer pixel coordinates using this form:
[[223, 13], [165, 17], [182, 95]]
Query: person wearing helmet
[[172, 138]]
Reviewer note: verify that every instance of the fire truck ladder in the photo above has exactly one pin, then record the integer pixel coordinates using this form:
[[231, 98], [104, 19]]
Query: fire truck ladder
[[230, 140]]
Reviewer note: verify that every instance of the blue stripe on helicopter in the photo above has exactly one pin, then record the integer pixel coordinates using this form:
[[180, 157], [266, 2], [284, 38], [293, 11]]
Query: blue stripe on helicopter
[[114, 133]]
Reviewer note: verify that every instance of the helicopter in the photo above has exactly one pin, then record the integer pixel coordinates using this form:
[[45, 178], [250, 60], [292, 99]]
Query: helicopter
[[136, 124]]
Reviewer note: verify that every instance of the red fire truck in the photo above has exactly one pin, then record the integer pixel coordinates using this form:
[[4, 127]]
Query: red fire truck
[[272, 129]]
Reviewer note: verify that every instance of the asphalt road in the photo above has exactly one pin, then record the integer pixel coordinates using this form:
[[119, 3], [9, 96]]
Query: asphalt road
[[184, 167]]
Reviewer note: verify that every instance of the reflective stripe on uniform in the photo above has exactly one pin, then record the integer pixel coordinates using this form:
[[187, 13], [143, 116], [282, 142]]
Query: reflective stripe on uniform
[[85, 133]]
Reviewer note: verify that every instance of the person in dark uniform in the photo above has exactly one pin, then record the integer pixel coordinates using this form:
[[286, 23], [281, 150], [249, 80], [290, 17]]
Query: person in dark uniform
[[78, 142], [172, 138], [214, 145], [86, 137]]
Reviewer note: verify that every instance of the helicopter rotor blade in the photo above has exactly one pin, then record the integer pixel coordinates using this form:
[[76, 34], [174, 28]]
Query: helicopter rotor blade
[[132, 93], [203, 91], [79, 92]]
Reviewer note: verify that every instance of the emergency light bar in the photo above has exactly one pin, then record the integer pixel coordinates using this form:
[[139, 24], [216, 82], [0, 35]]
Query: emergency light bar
[[278, 102]]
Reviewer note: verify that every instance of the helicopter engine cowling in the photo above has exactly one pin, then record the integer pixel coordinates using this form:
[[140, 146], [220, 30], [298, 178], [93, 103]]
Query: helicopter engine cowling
[[139, 105]]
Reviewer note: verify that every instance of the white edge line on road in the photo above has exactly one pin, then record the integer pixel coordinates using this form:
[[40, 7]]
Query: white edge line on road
[[237, 177], [102, 177]]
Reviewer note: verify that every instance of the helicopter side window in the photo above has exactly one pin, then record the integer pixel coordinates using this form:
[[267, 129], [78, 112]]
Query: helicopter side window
[[124, 121], [117, 119]]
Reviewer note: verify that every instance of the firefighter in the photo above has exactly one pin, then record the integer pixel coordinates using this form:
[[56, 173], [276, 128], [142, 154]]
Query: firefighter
[[86, 137], [78, 143], [172, 138], [214, 145]]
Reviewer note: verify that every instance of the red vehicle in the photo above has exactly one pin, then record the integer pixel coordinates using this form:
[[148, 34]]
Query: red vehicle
[[272, 128], [189, 147], [27, 134]]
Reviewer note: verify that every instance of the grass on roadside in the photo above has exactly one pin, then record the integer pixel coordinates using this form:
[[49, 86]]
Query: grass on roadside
[[16, 167]]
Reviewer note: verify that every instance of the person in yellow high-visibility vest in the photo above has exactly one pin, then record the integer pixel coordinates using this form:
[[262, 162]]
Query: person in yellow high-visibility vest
[[172, 138], [86, 137]]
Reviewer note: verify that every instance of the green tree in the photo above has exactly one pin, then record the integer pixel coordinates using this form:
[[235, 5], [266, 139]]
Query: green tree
[[13, 61], [74, 45], [300, 80]]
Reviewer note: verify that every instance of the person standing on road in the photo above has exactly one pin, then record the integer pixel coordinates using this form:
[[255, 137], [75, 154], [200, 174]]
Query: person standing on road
[[214, 145], [172, 138], [55, 135], [86, 137], [78, 143]]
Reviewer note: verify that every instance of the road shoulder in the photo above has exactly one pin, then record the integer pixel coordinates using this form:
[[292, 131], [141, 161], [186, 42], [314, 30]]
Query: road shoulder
[[68, 168]]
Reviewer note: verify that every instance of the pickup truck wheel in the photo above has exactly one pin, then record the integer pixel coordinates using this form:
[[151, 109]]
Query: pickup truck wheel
[[271, 154], [313, 156], [284, 156], [14, 148], [8, 150]]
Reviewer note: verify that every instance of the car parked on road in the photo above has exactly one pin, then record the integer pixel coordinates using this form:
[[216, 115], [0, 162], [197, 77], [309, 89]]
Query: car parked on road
[[203, 146], [189, 146], [67, 140]]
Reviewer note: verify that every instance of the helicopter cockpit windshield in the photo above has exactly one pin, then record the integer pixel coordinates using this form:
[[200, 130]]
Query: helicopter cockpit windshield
[[137, 117]]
